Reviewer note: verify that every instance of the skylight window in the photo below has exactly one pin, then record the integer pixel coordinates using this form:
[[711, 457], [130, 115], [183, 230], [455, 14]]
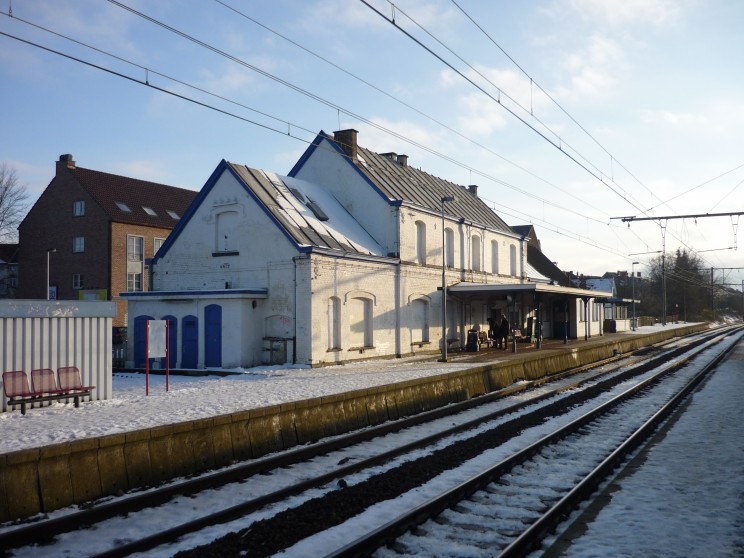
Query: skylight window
[[317, 211], [173, 214], [150, 211], [124, 207]]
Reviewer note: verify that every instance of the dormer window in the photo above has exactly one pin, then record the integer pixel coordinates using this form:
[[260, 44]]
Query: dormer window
[[150, 211], [123, 207]]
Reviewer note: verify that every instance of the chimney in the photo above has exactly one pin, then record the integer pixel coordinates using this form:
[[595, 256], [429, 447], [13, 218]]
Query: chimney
[[473, 189], [65, 162], [347, 140], [403, 160]]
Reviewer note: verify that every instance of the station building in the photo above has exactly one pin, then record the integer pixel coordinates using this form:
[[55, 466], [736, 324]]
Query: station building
[[345, 259]]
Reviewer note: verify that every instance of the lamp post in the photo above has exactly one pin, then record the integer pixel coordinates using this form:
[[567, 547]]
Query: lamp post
[[444, 199], [49, 251], [632, 273]]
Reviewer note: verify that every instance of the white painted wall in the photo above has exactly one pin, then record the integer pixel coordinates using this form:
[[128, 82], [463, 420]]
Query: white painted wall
[[51, 334]]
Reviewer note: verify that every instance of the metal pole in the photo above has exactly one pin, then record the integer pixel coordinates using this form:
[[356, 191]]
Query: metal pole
[[632, 272], [49, 251], [444, 283]]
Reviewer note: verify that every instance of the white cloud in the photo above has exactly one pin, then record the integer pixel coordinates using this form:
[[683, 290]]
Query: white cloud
[[674, 119], [595, 69], [655, 12]]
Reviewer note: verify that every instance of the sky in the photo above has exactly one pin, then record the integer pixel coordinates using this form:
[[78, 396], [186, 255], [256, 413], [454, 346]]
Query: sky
[[568, 114]]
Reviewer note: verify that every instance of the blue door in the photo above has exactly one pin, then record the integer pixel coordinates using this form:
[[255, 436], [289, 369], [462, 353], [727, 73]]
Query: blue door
[[213, 336], [172, 341], [140, 340], [190, 342]]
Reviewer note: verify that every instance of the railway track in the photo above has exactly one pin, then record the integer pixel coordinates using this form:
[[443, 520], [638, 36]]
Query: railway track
[[333, 479]]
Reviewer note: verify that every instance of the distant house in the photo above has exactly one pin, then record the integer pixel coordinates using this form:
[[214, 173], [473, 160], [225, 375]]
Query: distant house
[[95, 231], [342, 259], [8, 270]]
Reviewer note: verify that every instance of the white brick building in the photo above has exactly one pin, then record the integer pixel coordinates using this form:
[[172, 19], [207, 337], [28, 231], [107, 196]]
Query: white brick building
[[340, 260]]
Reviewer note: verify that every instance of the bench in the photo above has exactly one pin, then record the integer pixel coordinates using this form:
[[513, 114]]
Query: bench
[[45, 387]]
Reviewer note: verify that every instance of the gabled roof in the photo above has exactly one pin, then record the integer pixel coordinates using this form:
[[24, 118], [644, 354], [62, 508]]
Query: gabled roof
[[539, 261], [168, 203], [305, 213], [310, 215], [400, 183]]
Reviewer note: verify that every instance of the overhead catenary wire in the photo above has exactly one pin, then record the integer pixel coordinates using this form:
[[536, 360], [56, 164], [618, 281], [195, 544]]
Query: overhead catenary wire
[[147, 83], [408, 106], [599, 175], [283, 129]]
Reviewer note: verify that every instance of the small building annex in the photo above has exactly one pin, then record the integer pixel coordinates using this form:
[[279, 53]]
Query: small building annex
[[341, 260]]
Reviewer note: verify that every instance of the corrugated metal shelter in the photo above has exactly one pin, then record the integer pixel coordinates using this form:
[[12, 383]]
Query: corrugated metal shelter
[[50, 334]]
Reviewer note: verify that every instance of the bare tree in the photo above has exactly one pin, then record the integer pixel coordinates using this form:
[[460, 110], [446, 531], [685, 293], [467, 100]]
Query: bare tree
[[13, 203]]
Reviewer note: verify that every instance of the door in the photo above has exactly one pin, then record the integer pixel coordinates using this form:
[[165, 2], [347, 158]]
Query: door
[[190, 342], [213, 336]]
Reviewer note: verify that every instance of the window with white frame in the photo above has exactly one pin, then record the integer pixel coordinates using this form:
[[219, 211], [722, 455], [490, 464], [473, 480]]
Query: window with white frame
[[494, 256], [449, 250], [156, 244], [135, 262], [135, 248], [476, 248], [78, 244], [360, 322], [77, 281], [513, 260], [78, 208], [420, 242], [334, 323]]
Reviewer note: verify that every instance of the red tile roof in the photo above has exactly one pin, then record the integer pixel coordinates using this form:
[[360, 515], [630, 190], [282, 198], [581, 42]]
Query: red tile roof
[[108, 189]]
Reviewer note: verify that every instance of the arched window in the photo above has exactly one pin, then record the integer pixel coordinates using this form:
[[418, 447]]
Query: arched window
[[476, 247], [419, 320], [513, 260], [494, 256], [334, 323], [449, 247], [420, 242], [360, 322]]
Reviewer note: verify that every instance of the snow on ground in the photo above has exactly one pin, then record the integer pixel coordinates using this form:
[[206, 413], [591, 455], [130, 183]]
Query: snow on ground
[[686, 498], [191, 398], [196, 397]]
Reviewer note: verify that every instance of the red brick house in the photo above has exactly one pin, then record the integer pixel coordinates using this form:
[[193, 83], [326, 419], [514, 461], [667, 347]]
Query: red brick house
[[95, 231]]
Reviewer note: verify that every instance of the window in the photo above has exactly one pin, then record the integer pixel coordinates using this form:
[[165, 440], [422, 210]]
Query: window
[[150, 211], [476, 247], [135, 263], [78, 208], [513, 260], [494, 256], [360, 322], [156, 244], [449, 243], [420, 242], [173, 214], [78, 244], [134, 248], [419, 321], [334, 323], [124, 207], [77, 281], [134, 282]]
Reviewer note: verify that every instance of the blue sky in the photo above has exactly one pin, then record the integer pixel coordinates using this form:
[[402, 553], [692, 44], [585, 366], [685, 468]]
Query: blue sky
[[644, 107]]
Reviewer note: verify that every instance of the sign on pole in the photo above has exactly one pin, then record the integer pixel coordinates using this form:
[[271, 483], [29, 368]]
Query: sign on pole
[[156, 347]]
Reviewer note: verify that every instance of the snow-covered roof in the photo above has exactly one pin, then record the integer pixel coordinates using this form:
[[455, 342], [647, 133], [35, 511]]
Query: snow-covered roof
[[308, 212]]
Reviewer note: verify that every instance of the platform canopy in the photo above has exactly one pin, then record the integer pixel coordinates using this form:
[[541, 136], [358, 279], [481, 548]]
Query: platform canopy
[[485, 289]]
